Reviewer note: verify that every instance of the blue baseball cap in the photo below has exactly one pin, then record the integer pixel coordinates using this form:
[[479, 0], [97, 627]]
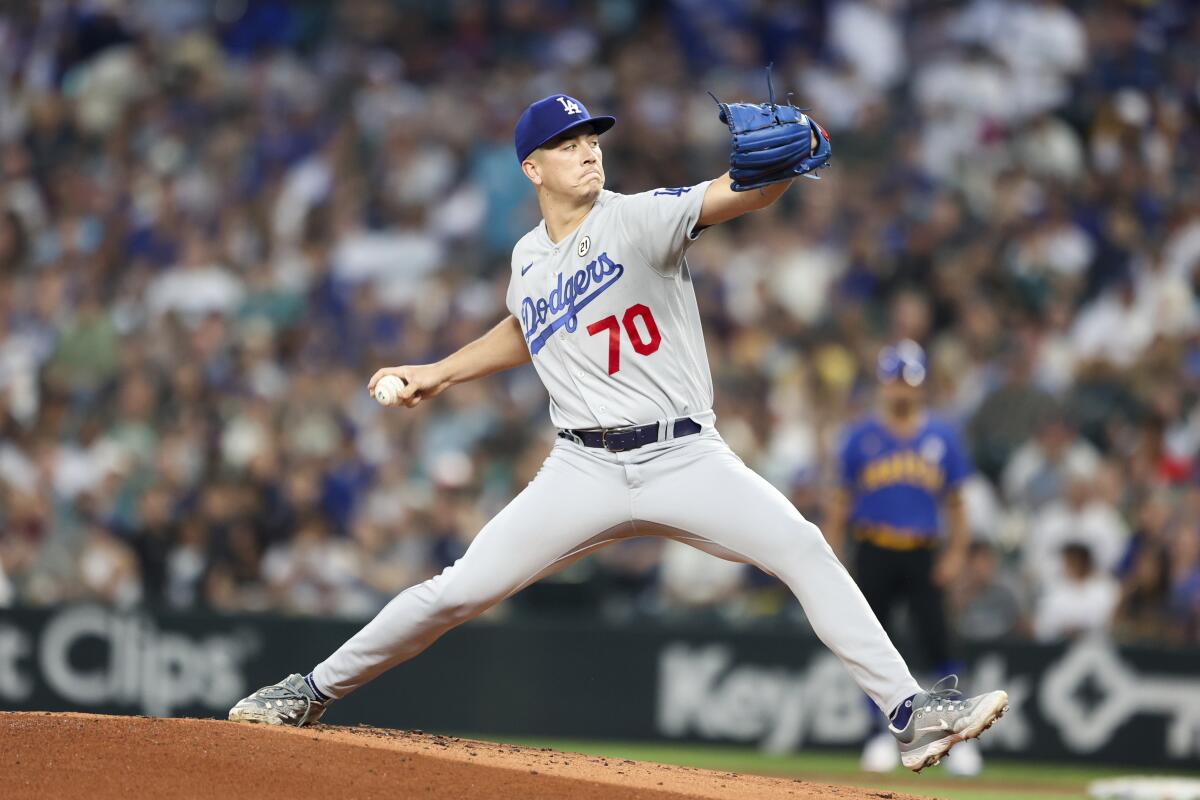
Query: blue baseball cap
[[549, 117], [904, 360]]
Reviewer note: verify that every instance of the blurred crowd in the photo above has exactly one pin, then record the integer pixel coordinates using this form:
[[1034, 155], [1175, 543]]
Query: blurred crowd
[[219, 217]]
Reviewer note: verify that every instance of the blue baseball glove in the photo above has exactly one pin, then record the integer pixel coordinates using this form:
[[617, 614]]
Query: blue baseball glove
[[772, 143]]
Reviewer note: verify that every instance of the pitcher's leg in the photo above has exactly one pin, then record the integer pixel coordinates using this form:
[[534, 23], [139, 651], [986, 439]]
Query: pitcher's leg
[[705, 489], [573, 506]]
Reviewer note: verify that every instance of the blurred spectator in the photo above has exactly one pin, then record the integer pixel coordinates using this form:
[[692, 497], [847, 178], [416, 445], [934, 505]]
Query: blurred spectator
[[312, 573], [108, 569], [1082, 518], [985, 600], [7, 593], [151, 541], [1081, 603], [1145, 590], [1039, 470], [86, 355], [197, 287], [1112, 327], [1008, 416], [690, 579], [187, 566], [390, 560], [1185, 585]]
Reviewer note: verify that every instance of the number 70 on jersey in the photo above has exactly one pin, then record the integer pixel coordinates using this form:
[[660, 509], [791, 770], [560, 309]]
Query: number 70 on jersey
[[642, 345]]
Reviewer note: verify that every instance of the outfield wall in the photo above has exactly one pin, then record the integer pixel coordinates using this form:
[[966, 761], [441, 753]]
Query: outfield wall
[[780, 691]]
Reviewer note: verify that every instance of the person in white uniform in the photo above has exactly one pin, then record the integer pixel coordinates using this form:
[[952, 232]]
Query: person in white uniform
[[601, 302]]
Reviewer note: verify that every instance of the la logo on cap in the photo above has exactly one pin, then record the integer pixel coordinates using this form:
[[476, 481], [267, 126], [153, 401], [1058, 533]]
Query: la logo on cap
[[569, 106]]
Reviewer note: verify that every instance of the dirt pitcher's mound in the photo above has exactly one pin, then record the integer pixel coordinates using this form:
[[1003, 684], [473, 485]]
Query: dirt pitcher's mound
[[99, 757]]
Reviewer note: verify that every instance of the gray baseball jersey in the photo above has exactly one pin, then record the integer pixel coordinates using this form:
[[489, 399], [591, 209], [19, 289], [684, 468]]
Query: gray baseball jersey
[[609, 313]]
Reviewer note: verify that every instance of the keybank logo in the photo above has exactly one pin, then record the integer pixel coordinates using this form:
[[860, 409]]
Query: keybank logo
[[540, 318], [703, 691]]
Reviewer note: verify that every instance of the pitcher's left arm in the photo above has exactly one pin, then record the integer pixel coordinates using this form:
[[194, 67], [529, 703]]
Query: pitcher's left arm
[[722, 203]]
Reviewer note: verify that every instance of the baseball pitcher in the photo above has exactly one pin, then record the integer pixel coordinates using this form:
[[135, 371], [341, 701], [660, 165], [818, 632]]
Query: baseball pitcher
[[602, 303]]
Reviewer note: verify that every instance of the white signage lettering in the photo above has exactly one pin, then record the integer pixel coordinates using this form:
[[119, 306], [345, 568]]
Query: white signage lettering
[[152, 670]]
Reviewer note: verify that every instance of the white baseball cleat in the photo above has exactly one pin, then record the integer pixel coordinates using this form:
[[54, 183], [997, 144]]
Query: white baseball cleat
[[939, 721], [289, 702]]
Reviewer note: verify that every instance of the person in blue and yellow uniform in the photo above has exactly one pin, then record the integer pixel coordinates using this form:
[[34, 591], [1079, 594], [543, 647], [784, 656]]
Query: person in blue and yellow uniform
[[900, 499]]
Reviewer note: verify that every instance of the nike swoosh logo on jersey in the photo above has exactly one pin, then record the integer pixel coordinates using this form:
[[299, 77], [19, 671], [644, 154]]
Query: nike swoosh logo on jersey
[[527, 267], [941, 726]]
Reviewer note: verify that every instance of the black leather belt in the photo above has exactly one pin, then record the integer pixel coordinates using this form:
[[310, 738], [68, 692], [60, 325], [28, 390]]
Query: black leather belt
[[618, 440]]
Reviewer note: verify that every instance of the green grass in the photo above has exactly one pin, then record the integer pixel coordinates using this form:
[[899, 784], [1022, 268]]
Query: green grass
[[1001, 780]]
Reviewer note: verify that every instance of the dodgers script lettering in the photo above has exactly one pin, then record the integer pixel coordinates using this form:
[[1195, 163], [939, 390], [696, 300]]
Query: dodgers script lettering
[[542, 317]]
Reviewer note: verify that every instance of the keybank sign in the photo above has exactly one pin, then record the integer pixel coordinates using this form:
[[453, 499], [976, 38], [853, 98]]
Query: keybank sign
[[1085, 698], [94, 657]]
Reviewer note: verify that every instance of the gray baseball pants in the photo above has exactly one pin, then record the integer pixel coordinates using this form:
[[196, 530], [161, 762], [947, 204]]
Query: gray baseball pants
[[694, 490]]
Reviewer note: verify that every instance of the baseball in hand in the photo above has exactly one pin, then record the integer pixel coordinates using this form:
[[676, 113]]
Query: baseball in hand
[[387, 390]]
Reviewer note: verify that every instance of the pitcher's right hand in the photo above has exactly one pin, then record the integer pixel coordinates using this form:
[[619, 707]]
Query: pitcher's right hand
[[421, 381]]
